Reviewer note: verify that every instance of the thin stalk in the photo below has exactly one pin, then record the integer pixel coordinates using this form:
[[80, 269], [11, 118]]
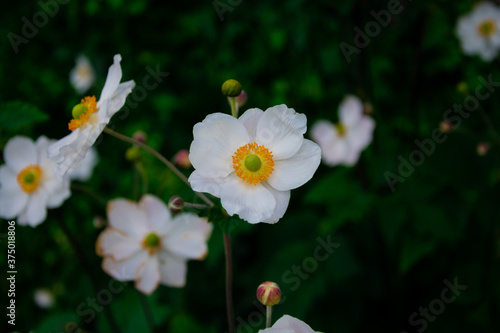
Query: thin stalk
[[229, 283], [234, 111], [147, 311], [269, 314], [89, 191]]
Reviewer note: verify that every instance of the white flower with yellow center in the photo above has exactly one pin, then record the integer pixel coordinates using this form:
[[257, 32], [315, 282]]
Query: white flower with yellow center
[[288, 324], [479, 31], [251, 163], [144, 243], [82, 76], [28, 183], [90, 118], [343, 142]]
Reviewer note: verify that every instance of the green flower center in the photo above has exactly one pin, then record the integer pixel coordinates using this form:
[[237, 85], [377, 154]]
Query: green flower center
[[487, 28], [340, 128], [152, 240], [29, 178], [253, 162], [78, 110]]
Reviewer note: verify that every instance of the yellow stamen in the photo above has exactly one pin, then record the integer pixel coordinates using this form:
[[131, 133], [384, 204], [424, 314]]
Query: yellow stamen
[[29, 178], [253, 163], [341, 130], [487, 28], [91, 105]]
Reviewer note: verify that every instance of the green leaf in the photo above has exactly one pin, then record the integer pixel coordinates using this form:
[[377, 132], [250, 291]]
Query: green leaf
[[15, 115]]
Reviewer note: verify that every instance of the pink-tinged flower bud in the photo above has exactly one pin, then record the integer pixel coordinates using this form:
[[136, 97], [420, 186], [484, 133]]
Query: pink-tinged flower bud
[[140, 136], [482, 148], [241, 99], [269, 293], [176, 204], [445, 126], [182, 159]]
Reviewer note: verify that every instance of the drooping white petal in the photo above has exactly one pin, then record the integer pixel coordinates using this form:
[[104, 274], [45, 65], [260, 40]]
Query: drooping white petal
[[126, 216], [173, 270], [149, 278], [36, 209], [291, 323], [187, 236], [281, 130], [118, 98], [126, 269], [350, 111], [250, 119], [13, 199], [156, 211], [116, 244], [83, 170], [282, 199], [112, 80], [210, 185], [20, 152], [252, 203], [216, 139], [297, 170]]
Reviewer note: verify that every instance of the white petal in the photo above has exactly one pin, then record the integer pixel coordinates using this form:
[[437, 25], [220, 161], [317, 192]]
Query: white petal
[[118, 98], [59, 194], [172, 269], [149, 279], [126, 269], [126, 216], [250, 119], [297, 170], [282, 199], [82, 76], [335, 152], [488, 53], [206, 184], [323, 132], [13, 199], [187, 236], [19, 152], [216, 139], [289, 322], [83, 170], [113, 79], [158, 215], [116, 244], [36, 208], [350, 110], [252, 203], [281, 130], [361, 134], [351, 157]]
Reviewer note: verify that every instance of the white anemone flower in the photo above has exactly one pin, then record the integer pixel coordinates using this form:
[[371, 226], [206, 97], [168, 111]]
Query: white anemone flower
[[28, 183], [343, 142], [251, 163], [90, 118], [479, 31], [82, 76], [288, 324], [144, 243], [83, 170]]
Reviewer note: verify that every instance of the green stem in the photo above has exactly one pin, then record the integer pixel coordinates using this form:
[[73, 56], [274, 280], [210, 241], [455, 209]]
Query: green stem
[[234, 111], [269, 313], [229, 283], [147, 311]]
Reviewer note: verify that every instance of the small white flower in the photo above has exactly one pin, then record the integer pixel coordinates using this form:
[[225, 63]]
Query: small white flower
[[83, 170], [43, 298], [288, 324], [343, 142], [479, 31], [82, 76], [90, 120], [144, 243], [28, 183], [251, 163]]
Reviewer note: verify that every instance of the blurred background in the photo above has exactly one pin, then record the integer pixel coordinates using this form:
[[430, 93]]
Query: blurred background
[[397, 250]]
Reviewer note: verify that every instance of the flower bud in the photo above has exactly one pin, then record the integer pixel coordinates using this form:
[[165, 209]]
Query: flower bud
[[241, 99], [98, 222], [463, 88], [482, 148], [231, 88], [140, 136], [176, 204], [182, 159], [367, 108], [133, 154], [269, 293], [445, 126]]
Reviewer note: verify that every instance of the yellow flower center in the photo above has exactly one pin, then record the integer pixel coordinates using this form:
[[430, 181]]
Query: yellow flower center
[[82, 112], [487, 28], [29, 178], [341, 130], [83, 71], [152, 242], [253, 163]]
